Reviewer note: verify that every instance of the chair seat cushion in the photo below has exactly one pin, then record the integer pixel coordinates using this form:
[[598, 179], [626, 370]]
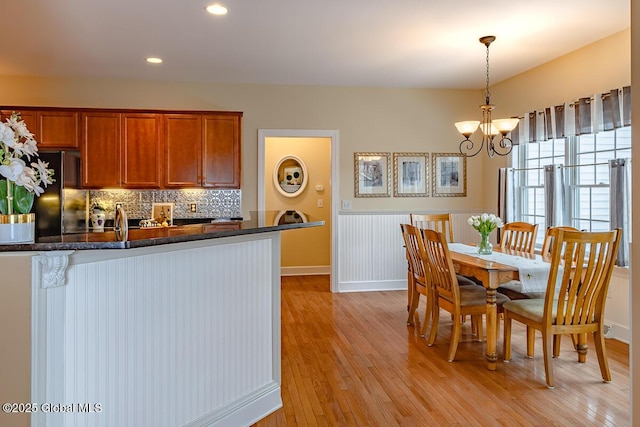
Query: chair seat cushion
[[513, 289], [464, 281], [475, 295], [532, 308]]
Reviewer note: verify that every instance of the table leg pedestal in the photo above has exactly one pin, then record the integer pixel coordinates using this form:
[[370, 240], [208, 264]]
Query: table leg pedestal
[[492, 329]]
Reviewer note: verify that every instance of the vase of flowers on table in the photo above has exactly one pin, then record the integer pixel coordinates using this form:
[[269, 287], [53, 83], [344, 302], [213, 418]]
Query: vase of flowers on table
[[20, 182], [485, 224]]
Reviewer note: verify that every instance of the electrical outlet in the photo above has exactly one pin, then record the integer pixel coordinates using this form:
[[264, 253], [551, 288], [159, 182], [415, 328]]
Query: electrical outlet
[[346, 205], [118, 205], [193, 207]]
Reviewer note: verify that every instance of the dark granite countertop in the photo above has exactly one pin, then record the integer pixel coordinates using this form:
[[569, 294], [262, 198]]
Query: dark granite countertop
[[144, 237]]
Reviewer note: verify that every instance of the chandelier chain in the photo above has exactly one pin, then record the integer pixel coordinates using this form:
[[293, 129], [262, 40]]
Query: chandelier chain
[[487, 94]]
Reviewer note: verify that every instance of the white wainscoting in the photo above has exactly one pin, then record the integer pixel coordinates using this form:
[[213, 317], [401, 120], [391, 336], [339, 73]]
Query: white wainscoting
[[182, 334], [371, 249]]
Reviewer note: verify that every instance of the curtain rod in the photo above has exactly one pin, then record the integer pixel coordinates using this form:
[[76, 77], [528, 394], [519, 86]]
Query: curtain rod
[[562, 166]]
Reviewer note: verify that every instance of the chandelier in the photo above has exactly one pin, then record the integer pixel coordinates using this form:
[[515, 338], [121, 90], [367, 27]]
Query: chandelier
[[490, 128]]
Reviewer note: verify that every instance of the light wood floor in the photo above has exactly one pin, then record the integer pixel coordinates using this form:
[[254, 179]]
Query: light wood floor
[[350, 360]]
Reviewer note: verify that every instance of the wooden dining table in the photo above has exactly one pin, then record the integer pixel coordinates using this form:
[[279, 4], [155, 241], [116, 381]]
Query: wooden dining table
[[492, 274]]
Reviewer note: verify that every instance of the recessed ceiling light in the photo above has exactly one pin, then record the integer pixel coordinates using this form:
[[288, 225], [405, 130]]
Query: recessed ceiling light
[[153, 60], [216, 9]]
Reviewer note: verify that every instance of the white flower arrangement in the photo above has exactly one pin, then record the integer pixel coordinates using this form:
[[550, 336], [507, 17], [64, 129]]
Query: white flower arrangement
[[22, 181], [485, 223]]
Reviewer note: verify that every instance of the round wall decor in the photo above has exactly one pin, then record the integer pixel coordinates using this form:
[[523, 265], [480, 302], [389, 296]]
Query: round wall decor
[[290, 176]]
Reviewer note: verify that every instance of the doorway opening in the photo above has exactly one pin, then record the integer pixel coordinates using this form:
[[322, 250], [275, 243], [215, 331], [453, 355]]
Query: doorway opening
[[315, 153]]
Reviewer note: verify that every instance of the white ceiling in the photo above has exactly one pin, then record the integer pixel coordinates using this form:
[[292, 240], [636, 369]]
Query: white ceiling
[[389, 43]]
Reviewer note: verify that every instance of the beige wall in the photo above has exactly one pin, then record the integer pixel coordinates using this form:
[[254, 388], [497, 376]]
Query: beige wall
[[15, 332], [303, 247], [368, 119]]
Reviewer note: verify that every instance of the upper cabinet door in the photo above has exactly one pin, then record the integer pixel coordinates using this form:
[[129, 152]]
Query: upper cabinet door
[[53, 130], [27, 116], [100, 149], [141, 150], [183, 150], [58, 129], [221, 157]]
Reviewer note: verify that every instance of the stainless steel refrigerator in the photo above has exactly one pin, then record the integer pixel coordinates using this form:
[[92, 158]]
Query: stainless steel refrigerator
[[62, 208]]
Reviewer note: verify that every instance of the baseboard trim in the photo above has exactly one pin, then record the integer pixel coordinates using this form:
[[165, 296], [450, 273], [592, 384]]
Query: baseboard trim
[[245, 413], [314, 270], [385, 285], [618, 332]]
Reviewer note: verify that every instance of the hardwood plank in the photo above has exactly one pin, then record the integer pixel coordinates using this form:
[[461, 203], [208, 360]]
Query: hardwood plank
[[351, 360]]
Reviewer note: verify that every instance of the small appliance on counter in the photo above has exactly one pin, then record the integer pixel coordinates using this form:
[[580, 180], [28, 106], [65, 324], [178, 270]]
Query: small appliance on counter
[[62, 208]]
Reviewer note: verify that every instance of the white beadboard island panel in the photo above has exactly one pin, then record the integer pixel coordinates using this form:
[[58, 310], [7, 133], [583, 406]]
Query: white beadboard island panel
[[171, 335]]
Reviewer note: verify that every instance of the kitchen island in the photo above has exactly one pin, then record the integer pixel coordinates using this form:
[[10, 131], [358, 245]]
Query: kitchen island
[[175, 326]]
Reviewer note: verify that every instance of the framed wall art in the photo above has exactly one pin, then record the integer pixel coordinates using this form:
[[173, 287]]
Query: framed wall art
[[372, 174], [410, 174], [162, 212], [449, 174]]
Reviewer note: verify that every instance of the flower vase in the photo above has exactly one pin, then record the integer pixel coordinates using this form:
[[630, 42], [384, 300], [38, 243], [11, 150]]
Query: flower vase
[[97, 221], [17, 228], [485, 247]]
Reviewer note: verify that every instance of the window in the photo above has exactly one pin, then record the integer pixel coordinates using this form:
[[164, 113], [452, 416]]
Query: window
[[586, 176]]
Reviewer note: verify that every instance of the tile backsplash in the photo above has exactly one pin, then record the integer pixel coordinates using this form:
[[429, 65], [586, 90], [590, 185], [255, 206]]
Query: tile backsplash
[[138, 203]]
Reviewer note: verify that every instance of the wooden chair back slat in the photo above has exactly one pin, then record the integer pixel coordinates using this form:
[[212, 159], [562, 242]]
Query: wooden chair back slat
[[519, 236], [548, 240], [438, 222]]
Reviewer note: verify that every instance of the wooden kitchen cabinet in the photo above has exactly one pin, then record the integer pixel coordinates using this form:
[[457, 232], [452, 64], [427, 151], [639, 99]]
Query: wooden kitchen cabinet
[[100, 149], [58, 129], [53, 129], [183, 150], [141, 148], [121, 150], [202, 150], [221, 151], [28, 116]]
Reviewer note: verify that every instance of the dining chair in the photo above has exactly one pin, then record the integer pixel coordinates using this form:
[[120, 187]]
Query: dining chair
[[513, 288], [519, 236], [437, 222], [448, 295], [418, 284], [443, 224], [548, 238], [581, 267]]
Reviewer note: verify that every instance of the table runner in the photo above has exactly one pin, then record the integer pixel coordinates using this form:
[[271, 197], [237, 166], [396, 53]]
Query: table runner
[[534, 273]]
